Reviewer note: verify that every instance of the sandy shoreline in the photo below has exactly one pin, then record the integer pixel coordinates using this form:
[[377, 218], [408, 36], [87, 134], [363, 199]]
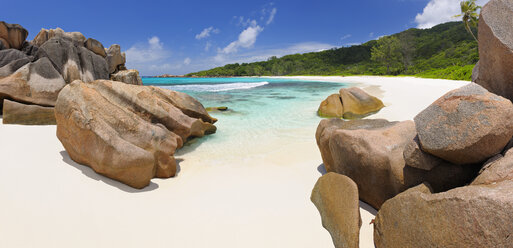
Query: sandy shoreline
[[247, 200]]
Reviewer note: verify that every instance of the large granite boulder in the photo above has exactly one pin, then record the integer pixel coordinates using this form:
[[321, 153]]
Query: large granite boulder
[[374, 159], [74, 62], [328, 126], [466, 126], [331, 107], [9, 55], [115, 58], [77, 38], [127, 76], [336, 198], [471, 216], [495, 70], [357, 103], [12, 34], [18, 113], [35, 83], [187, 104], [122, 131]]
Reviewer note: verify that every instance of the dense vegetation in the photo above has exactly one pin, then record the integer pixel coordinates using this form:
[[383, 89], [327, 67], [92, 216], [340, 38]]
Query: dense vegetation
[[444, 51]]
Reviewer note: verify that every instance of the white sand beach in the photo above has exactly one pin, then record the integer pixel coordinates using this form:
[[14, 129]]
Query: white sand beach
[[220, 198]]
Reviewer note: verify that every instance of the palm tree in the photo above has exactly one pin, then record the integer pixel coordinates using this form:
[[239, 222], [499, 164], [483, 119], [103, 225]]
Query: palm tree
[[469, 14]]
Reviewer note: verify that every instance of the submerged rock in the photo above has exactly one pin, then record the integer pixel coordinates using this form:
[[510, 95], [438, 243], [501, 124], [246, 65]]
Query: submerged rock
[[471, 216], [336, 198], [125, 132], [466, 126], [18, 113]]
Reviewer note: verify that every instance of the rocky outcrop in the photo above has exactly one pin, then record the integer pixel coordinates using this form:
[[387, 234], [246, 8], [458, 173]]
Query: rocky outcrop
[[46, 34], [350, 103], [10, 55], [95, 47], [336, 198], [472, 216], [331, 107], [35, 83], [12, 35], [18, 113], [374, 159], [465, 126], [115, 58], [495, 48], [127, 76], [74, 62], [328, 126], [357, 103], [125, 132]]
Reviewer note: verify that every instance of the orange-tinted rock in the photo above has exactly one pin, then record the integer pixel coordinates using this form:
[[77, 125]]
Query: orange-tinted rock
[[24, 114], [331, 107]]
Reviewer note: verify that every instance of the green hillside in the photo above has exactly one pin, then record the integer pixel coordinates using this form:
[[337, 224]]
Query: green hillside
[[444, 51]]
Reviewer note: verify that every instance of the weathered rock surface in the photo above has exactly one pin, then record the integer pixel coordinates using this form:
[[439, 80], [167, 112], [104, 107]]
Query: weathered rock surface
[[374, 159], [328, 126], [472, 216], [9, 55], [187, 104], [465, 126], [127, 76], [18, 113], [114, 58], [331, 107], [74, 62], [45, 35], [35, 83], [416, 158], [96, 47], [498, 169], [12, 34], [29, 48], [357, 103], [495, 48], [122, 131], [336, 198]]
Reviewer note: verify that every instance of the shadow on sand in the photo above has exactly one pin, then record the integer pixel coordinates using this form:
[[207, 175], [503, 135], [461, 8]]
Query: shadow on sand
[[93, 175]]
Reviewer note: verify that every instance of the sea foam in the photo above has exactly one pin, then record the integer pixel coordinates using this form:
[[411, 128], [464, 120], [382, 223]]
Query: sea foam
[[214, 87]]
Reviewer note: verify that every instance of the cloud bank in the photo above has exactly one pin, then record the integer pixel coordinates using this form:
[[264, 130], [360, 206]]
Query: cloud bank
[[440, 11]]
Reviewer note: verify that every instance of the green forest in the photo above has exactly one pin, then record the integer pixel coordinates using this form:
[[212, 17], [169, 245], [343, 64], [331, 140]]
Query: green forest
[[444, 51]]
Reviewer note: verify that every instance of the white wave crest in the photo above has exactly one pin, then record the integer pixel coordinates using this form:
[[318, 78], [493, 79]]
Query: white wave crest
[[214, 87]]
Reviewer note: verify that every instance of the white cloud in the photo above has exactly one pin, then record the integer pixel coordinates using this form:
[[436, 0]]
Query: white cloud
[[271, 16], [440, 11], [207, 46], [371, 34], [206, 32], [187, 61], [247, 39], [347, 36], [153, 50]]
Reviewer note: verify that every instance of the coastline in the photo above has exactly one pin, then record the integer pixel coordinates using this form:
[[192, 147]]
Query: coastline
[[246, 200]]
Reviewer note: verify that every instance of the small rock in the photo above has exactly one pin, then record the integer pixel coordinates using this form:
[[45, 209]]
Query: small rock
[[127, 76], [336, 198]]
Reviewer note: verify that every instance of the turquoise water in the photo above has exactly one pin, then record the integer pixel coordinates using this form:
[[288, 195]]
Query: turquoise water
[[260, 109]]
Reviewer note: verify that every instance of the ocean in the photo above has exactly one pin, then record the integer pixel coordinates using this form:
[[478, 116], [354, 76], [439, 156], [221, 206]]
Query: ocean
[[262, 112]]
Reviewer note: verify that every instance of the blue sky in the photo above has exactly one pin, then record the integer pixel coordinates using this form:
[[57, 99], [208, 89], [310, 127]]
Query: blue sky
[[178, 37]]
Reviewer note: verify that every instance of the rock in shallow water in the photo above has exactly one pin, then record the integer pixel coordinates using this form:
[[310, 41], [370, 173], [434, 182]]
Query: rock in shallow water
[[466, 126], [336, 198], [331, 107], [357, 103], [125, 132]]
